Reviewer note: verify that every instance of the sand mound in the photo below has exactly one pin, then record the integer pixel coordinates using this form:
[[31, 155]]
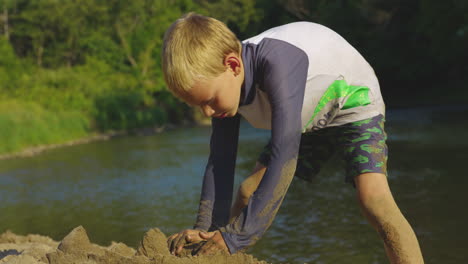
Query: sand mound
[[75, 248]]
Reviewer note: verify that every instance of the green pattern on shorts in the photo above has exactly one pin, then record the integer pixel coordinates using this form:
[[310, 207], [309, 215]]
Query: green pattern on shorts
[[361, 145], [371, 149], [362, 122], [365, 136], [371, 152], [375, 130], [350, 149], [361, 159]]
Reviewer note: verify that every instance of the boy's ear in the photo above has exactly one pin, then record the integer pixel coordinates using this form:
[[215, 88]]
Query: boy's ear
[[233, 62]]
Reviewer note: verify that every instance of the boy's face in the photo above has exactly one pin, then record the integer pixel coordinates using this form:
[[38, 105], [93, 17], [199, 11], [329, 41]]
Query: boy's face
[[219, 97]]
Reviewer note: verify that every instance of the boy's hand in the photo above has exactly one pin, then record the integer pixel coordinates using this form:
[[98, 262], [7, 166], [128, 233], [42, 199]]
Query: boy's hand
[[176, 242], [215, 243]]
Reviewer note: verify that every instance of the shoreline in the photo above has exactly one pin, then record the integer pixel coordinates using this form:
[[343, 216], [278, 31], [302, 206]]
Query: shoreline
[[93, 137], [33, 151], [197, 121]]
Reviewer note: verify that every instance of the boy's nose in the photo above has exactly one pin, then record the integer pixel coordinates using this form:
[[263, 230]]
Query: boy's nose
[[207, 111]]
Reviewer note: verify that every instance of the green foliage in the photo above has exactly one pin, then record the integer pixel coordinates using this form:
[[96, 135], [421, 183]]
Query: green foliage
[[8, 57], [102, 59], [28, 124], [10, 67], [237, 14], [126, 110], [415, 47]]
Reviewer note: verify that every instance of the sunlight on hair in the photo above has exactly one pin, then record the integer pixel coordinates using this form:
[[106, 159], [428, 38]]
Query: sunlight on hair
[[194, 48]]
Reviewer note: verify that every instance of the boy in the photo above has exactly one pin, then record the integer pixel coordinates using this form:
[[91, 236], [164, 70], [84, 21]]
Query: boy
[[315, 92]]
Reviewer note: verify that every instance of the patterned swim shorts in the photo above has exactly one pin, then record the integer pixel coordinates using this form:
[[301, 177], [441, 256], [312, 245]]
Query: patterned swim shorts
[[361, 144]]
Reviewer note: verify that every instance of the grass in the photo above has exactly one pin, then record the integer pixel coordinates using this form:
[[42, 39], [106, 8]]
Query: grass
[[27, 124]]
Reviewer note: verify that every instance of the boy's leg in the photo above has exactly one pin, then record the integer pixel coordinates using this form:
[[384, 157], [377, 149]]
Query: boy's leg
[[246, 189], [365, 149], [379, 207], [314, 151]]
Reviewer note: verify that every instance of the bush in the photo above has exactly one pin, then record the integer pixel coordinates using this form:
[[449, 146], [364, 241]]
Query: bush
[[25, 124], [122, 109]]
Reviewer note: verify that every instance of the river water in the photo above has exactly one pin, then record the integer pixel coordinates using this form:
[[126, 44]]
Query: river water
[[118, 189]]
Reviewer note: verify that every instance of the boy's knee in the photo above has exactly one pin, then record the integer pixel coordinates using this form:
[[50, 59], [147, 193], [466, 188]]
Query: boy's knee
[[379, 206], [374, 196], [245, 191], [249, 185]]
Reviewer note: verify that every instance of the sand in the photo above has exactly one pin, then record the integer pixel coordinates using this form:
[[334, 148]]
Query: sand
[[76, 248]]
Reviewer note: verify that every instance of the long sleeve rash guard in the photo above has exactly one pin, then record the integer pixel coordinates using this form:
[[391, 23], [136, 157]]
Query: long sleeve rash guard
[[299, 77]]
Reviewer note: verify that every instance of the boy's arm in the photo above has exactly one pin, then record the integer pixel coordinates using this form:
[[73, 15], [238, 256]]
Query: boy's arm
[[285, 75], [216, 196]]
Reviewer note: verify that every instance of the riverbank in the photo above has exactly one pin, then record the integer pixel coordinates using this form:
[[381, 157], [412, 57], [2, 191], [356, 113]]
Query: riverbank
[[27, 129], [32, 151], [76, 248], [147, 131]]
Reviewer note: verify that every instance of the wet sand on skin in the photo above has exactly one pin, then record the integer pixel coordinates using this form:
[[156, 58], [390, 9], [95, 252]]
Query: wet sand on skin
[[75, 248]]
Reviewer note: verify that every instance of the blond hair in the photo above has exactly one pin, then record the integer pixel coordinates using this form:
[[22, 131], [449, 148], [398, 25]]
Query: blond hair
[[194, 48]]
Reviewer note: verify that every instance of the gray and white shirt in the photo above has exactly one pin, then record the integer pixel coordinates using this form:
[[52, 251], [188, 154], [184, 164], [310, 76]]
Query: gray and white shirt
[[299, 78]]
